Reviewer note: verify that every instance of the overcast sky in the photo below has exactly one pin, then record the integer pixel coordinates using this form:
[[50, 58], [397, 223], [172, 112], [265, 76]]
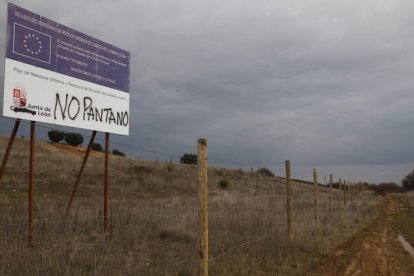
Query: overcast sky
[[316, 82]]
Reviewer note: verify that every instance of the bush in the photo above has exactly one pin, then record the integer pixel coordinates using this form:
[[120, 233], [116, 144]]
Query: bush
[[118, 152], [97, 147], [265, 172], [384, 188], [188, 158], [408, 181], [73, 139], [224, 184], [56, 136]]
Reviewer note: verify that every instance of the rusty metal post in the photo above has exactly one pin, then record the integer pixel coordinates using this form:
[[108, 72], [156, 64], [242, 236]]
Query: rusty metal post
[[289, 202], [9, 147], [85, 159], [31, 181], [106, 180], [203, 204]]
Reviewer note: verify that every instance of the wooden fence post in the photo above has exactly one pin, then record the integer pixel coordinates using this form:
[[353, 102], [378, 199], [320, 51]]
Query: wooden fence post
[[257, 184], [289, 202], [354, 189], [339, 192], [330, 192], [345, 191], [352, 192], [203, 204], [316, 196], [357, 189]]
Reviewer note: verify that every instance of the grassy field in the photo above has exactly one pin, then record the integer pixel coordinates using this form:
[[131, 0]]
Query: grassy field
[[154, 219], [404, 221]]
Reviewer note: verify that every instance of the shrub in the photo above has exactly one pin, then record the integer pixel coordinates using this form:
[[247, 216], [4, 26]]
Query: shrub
[[224, 184], [188, 158], [73, 139], [118, 152], [408, 181], [384, 188], [96, 147], [265, 172], [56, 136], [239, 171]]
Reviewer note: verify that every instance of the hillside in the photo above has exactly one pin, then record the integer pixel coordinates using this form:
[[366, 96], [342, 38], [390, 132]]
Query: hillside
[[57, 166], [154, 218]]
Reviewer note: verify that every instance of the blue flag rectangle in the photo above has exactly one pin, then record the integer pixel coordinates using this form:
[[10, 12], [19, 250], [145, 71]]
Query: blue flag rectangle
[[31, 43], [38, 41]]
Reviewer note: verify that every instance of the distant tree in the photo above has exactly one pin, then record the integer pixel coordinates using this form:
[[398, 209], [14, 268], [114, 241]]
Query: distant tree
[[224, 184], [188, 158], [118, 152], [408, 181], [73, 139], [265, 172], [56, 136], [96, 147]]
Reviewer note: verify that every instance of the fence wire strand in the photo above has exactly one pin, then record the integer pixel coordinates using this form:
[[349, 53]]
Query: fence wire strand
[[237, 246], [252, 166], [243, 244]]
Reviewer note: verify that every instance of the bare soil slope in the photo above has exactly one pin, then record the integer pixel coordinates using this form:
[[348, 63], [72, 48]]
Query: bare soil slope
[[374, 251]]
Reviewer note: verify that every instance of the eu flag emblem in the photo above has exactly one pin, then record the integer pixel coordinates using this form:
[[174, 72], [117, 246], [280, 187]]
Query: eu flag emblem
[[31, 43]]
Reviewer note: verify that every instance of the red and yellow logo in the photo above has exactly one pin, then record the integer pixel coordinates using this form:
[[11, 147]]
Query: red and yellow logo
[[19, 97]]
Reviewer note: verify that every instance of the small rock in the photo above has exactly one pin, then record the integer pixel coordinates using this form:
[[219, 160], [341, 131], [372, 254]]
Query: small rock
[[339, 253]]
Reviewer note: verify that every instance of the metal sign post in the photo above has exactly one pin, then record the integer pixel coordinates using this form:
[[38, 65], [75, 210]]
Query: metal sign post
[[31, 181], [106, 180], [85, 159], [55, 74], [9, 147]]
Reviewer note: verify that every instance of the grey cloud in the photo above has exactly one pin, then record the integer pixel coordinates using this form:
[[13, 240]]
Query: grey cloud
[[320, 82]]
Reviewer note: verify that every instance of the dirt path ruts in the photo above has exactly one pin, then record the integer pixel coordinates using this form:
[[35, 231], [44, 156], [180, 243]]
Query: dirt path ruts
[[374, 251]]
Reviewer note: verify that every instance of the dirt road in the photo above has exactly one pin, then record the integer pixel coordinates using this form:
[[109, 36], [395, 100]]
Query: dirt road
[[374, 251]]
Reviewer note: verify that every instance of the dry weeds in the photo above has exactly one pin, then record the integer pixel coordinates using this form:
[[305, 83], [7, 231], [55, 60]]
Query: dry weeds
[[154, 220]]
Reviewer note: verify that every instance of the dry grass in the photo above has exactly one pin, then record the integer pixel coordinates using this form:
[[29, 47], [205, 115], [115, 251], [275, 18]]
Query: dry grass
[[154, 220]]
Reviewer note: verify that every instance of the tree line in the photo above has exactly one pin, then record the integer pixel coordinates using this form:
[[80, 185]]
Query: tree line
[[407, 183], [76, 139]]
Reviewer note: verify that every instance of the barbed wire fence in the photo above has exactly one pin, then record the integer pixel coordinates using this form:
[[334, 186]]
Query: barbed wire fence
[[211, 158], [234, 247]]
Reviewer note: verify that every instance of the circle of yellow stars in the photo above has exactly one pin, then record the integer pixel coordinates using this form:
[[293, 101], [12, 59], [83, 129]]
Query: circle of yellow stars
[[32, 44]]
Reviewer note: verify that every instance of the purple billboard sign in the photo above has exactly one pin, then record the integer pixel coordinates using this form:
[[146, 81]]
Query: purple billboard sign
[[41, 42], [57, 75]]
